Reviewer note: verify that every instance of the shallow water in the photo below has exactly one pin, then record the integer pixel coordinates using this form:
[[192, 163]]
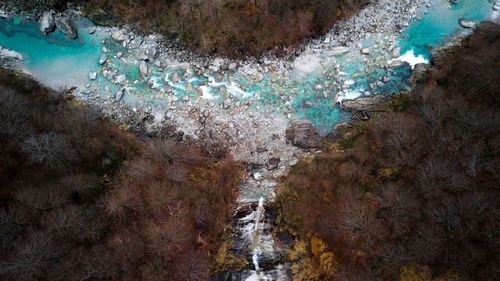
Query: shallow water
[[441, 22], [54, 59], [310, 92]]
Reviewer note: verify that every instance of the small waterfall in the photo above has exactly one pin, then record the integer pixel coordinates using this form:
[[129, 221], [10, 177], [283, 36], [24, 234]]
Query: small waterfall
[[257, 234], [253, 233]]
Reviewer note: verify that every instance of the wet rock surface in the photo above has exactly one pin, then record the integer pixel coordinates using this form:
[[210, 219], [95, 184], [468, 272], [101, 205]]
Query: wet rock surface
[[47, 22], [66, 25]]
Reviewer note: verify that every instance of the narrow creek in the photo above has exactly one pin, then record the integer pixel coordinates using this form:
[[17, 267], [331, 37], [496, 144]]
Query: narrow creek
[[140, 73]]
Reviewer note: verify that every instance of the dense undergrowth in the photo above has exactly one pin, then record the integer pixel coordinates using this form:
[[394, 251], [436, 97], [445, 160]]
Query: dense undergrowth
[[82, 199], [413, 194], [228, 27]]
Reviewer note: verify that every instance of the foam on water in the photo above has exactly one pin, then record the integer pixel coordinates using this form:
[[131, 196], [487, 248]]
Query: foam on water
[[412, 59]]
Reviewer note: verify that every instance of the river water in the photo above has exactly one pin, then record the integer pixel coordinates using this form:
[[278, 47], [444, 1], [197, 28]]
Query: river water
[[310, 89]]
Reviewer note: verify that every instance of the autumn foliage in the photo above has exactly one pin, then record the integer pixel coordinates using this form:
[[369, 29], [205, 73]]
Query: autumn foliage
[[413, 194], [228, 27], [81, 199]]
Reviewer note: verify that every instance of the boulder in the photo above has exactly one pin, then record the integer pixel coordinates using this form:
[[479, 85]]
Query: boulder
[[361, 103], [119, 95], [47, 22], [118, 35], [65, 25], [303, 134], [92, 75], [143, 68], [466, 23], [120, 79], [103, 59], [217, 64], [273, 163]]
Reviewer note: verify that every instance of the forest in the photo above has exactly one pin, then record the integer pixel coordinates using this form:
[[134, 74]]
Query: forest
[[414, 193], [82, 199], [232, 28]]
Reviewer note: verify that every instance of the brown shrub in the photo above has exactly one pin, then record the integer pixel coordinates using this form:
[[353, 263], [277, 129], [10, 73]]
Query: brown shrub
[[425, 202]]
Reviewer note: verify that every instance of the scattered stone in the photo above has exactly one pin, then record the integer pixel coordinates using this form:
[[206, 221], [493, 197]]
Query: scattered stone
[[143, 69], [65, 25], [103, 59], [119, 95], [226, 103], [303, 134], [92, 30], [466, 23], [216, 64], [273, 163], [365, 51], [47, 22], [120, 79], [118, 35]]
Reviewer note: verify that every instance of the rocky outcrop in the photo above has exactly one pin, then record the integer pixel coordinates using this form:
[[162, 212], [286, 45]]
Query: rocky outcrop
[[47, 22], [66, 25], [420, 73], [303, 134], [361, 103]]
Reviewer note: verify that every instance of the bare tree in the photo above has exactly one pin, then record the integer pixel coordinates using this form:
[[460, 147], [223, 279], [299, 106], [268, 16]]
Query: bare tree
[[51, 150]]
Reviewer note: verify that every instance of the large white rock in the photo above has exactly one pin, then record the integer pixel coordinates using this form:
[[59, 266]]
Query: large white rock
[[47, 22], [118, 35]]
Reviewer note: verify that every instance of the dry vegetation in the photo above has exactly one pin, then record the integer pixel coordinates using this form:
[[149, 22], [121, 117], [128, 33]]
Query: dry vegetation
[[415, 194], [230, 27], [81, 199], [227, 27]]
